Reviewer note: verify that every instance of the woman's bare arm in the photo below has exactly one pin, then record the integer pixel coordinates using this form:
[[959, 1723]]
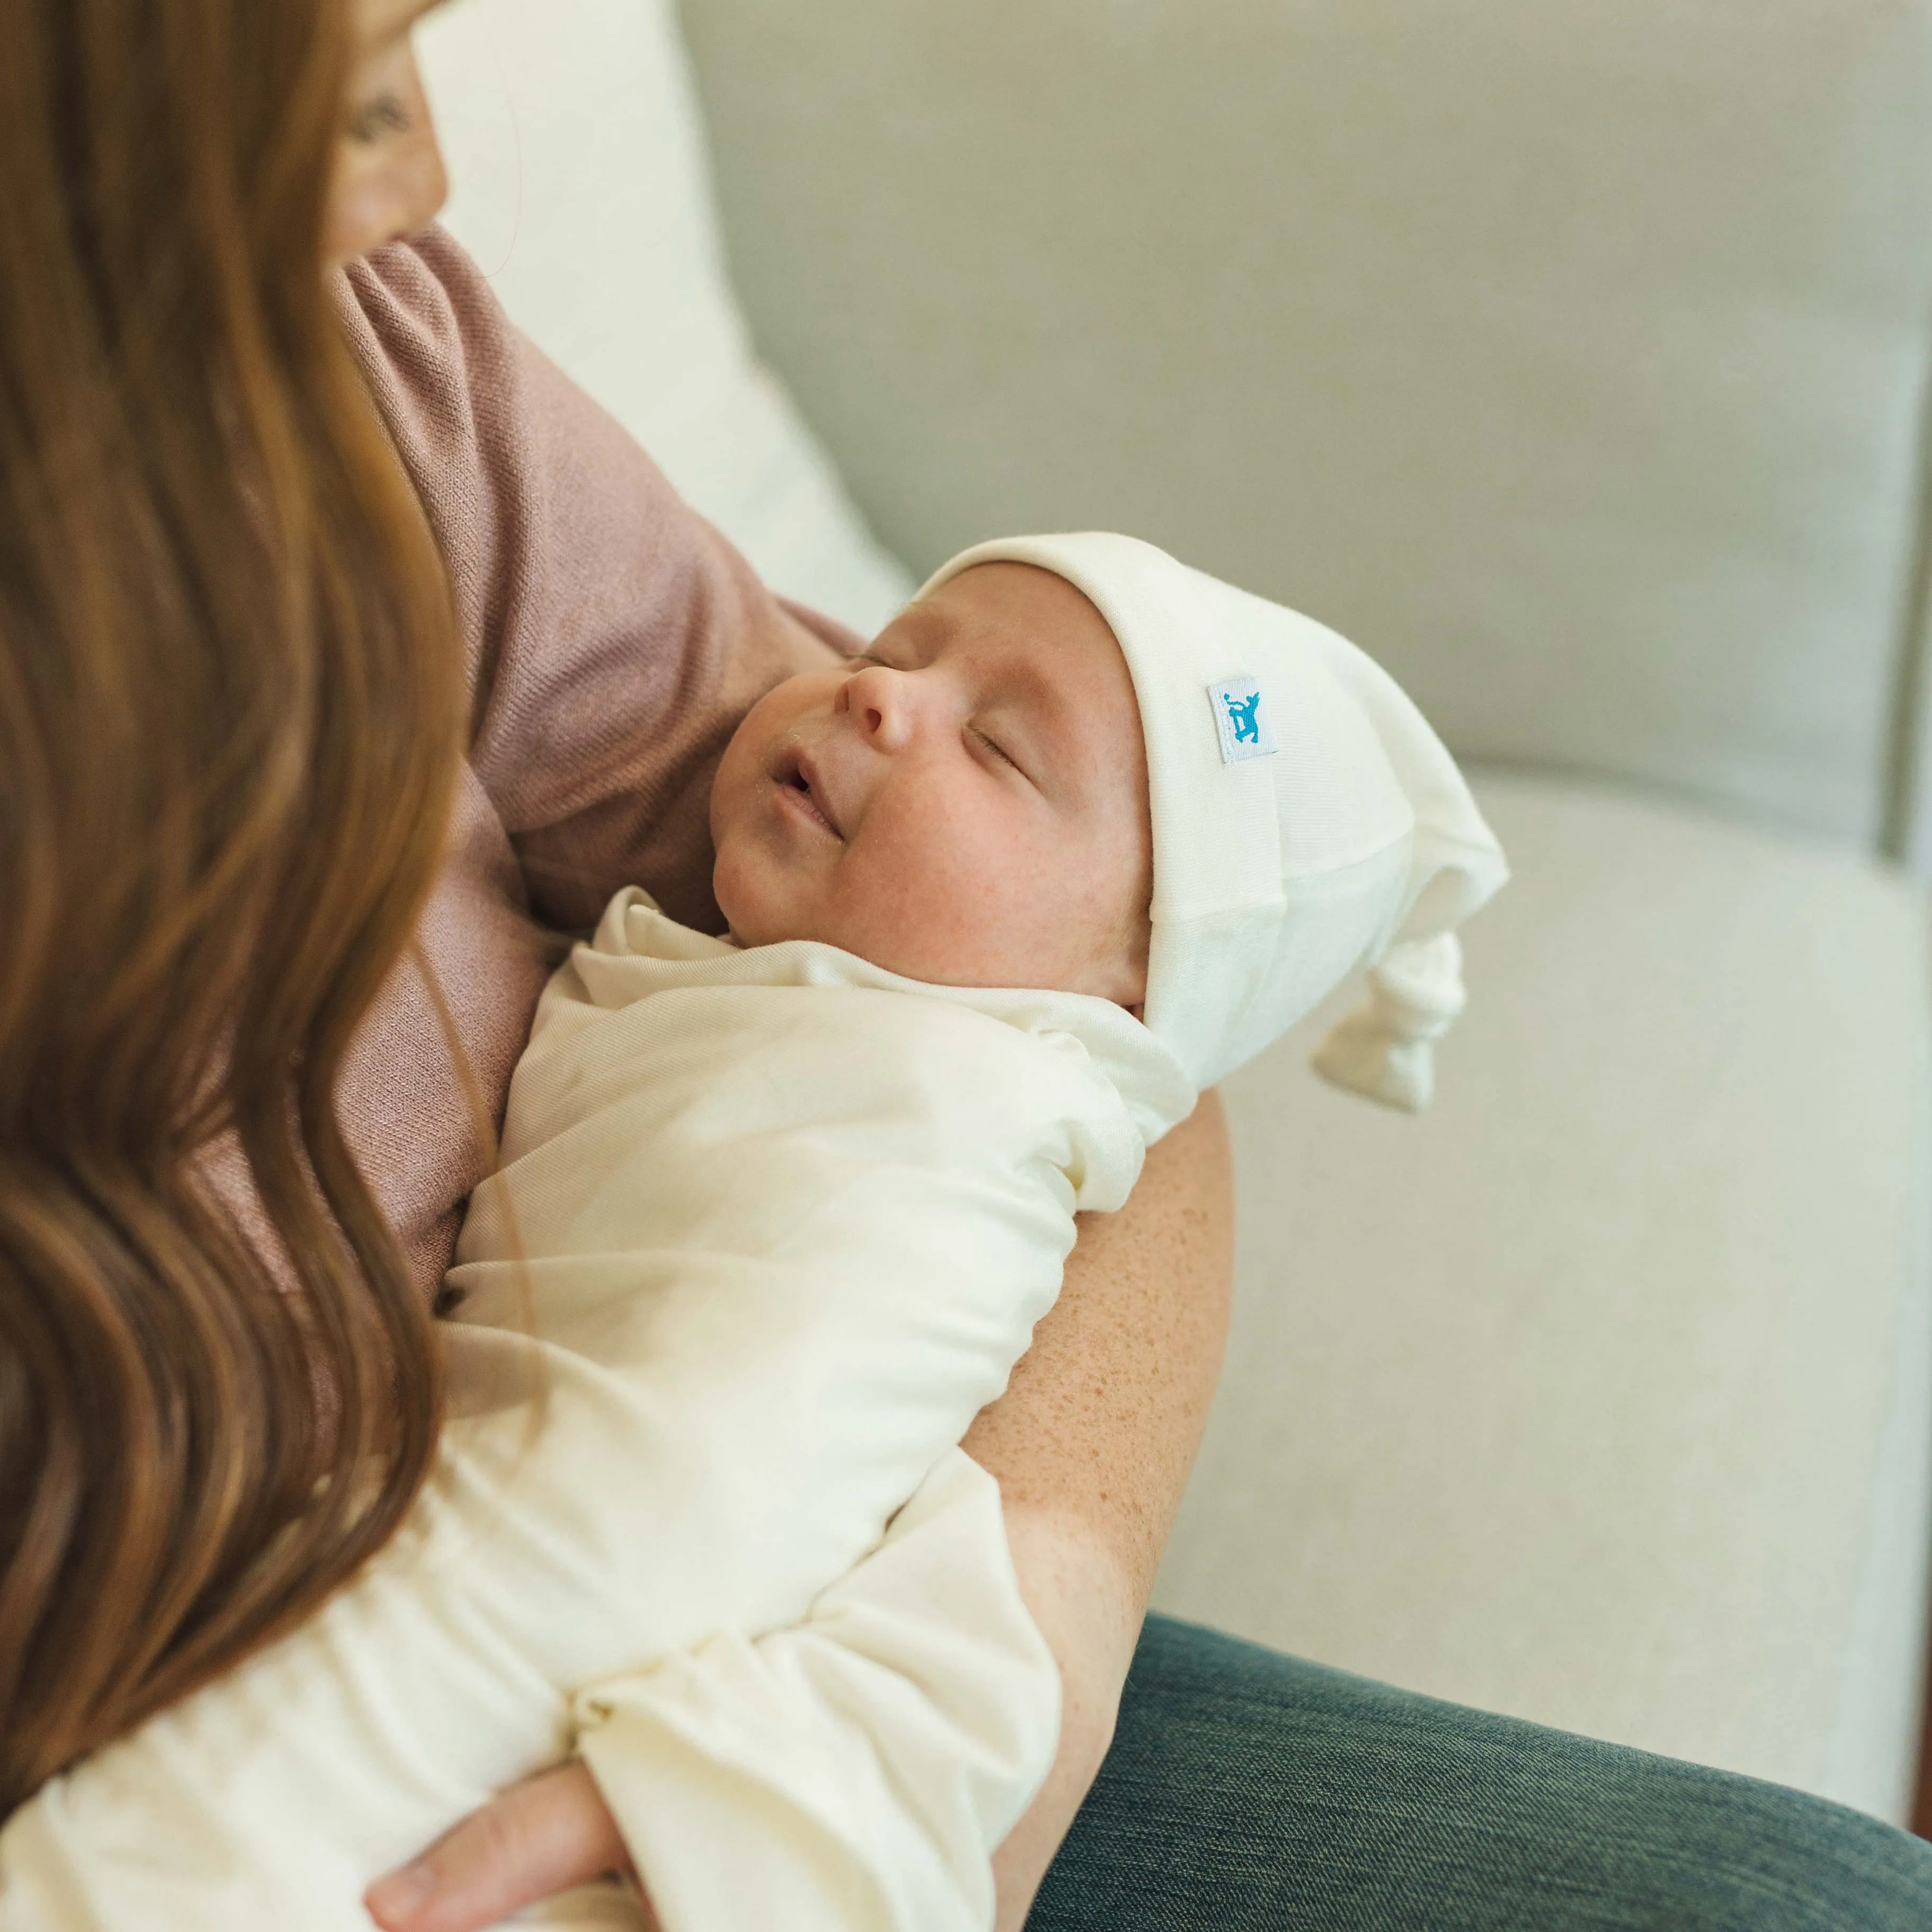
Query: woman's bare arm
[[1091, 1444]]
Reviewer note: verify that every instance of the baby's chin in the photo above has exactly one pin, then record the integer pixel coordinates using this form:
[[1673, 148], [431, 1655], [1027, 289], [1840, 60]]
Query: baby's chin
[[760, 910], [748, 921], [746, 927]]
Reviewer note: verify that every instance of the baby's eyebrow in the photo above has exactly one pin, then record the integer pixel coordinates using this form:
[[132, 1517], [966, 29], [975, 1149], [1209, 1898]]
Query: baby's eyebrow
[[932, 627]]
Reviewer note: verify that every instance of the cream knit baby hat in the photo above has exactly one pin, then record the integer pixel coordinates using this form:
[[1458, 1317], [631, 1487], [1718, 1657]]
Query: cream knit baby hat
[[1307, 823]]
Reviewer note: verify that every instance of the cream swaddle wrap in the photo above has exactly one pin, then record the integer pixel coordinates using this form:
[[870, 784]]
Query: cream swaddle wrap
[[788, 1221], [772, 1226]]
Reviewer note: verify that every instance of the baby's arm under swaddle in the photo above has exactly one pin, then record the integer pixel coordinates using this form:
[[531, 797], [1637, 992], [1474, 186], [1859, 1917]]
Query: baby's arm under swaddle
[[777, 1257]]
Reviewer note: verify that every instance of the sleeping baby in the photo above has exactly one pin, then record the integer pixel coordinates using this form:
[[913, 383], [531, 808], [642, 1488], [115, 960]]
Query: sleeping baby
[[1080, 833]]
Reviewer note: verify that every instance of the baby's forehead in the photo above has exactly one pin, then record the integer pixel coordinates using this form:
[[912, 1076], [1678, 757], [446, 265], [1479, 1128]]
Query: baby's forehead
[[1031, 621], [1052, 671]]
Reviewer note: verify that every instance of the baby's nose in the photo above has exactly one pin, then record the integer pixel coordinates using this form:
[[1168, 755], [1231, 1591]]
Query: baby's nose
[[880, 701]]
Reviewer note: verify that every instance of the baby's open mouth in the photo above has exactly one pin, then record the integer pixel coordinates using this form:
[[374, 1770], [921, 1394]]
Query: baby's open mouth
[[796, 778]]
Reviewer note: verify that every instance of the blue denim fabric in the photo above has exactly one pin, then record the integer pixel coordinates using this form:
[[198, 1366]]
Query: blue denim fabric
[[1247, 1790]]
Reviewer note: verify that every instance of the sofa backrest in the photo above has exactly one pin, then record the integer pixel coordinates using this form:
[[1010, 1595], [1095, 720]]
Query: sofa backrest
[[1569, 354]]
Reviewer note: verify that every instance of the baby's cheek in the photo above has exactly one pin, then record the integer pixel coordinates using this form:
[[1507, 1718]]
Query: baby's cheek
[[916, 916], [1084, 912]]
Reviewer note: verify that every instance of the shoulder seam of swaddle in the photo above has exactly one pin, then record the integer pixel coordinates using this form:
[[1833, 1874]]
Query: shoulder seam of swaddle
[[635, 942]]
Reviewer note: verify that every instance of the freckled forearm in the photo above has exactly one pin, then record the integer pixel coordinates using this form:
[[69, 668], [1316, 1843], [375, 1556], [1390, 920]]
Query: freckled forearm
[[1092, 1445]]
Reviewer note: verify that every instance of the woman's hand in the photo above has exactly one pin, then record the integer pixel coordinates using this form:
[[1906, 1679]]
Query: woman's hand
[[545, 1835]]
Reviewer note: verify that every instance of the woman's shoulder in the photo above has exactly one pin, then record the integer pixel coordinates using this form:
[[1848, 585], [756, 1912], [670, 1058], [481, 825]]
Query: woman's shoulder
[[415, 305], [615, 638], [496, 439]]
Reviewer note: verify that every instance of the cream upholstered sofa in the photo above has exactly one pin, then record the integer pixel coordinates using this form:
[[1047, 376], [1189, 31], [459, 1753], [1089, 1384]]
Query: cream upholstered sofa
[[1573, 359]]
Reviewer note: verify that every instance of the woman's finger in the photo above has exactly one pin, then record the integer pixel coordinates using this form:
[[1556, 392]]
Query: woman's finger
[[543, 1836]]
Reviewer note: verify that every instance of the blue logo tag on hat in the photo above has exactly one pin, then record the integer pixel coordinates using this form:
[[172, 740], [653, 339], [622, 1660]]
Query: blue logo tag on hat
[[1241, 720]]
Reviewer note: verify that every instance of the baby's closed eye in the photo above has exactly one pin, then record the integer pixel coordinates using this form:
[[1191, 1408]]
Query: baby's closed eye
[[994, 749]]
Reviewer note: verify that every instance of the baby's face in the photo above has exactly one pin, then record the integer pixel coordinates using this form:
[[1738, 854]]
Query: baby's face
[[966, 804]]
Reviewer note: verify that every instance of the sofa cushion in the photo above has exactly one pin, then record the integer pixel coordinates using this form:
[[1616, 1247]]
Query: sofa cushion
[[1570, 357], [1600, 1395], [579, 183]]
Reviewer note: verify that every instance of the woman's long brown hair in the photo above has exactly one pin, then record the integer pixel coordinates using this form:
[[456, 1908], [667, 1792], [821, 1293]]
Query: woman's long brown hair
[[230, 721]]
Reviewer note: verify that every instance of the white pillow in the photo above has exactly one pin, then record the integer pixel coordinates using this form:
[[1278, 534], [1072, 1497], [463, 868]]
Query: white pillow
[[580, 184]]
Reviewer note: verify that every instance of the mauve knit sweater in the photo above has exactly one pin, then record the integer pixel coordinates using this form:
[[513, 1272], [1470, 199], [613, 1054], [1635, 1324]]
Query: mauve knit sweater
[[613, 640]]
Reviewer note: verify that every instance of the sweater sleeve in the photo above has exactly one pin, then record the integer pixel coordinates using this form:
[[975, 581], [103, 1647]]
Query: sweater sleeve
[[614, 638]]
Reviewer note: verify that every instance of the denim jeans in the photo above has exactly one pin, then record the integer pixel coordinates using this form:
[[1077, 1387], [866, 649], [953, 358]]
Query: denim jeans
[[1248, 1790]]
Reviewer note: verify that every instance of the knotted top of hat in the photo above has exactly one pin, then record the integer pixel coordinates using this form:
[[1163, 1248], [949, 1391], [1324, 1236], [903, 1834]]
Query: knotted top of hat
[[1307, 822]]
